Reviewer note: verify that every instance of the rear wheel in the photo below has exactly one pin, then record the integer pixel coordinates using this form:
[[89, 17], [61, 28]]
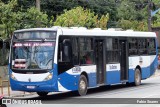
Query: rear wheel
[[137, 77], [82, 86], [42, 93]]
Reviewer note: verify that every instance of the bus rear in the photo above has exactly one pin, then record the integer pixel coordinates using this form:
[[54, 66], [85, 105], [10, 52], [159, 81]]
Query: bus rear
[[31, 66]]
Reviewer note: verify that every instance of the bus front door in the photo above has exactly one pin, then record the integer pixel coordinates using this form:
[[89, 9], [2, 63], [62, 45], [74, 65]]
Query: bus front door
[[100, 62], [123, 60]]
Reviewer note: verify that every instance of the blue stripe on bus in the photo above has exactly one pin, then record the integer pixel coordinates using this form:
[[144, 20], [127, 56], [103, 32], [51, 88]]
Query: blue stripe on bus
[[92, 77], [154, 66], [70, 82], [112, 77]]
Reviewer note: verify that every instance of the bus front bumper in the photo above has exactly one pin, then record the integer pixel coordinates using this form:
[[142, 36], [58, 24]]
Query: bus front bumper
[[44, 86]]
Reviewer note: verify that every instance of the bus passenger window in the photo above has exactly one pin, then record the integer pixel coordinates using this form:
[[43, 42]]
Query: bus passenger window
[[112, 50], [88, 59], [151, 46], [133, 46], [75, 51], [86, 51], [142, 46]]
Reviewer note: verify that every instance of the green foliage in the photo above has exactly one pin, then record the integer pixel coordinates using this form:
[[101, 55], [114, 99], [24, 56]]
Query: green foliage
[[11, 19], [156, 17], [156, 21], [34, 18], [134, 25], [81, 17], [127, 14]]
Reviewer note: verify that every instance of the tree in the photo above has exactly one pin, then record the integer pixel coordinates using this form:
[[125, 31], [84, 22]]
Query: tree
[[8, 18], [81, 17], [156, 17], [134, 25], [156, 20], [12, 19], [33, 18]]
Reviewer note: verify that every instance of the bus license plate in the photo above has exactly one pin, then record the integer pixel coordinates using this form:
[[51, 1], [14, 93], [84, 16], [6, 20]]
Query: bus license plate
[[31, 87]]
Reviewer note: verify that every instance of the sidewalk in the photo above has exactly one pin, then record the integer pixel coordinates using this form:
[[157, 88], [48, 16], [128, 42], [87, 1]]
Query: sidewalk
[[157, 73], [6, 94]]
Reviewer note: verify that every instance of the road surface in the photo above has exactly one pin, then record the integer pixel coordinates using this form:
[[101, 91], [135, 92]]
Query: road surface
[[128, 95]]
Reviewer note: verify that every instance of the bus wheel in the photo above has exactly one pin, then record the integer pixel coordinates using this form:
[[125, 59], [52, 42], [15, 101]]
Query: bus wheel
[[42, 93], [137, 77], [82, 86]]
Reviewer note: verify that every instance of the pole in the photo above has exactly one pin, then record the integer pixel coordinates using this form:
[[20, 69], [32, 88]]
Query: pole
[[149, 15], [38, 5]]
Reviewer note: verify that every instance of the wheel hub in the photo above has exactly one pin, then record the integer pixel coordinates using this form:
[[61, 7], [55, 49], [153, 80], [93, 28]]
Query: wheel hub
[[82, 85]]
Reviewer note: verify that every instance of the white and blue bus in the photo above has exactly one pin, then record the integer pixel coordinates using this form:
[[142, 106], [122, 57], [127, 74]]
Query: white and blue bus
[[60, 59]]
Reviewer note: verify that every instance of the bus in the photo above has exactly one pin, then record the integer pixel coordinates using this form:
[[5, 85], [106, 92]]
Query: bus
[[59, 59]]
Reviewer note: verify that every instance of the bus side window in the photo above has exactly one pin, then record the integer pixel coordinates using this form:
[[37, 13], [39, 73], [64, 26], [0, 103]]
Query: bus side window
[[75, 51], [151, 46], [65, 51]]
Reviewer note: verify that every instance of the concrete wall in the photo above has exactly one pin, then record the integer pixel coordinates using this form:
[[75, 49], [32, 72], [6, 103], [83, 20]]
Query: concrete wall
[[4, 74]]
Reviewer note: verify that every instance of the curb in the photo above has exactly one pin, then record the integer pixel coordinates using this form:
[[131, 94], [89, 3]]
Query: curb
[[19, 95]]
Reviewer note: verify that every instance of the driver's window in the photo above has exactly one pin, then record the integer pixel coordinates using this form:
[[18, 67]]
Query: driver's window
[[65, 50]]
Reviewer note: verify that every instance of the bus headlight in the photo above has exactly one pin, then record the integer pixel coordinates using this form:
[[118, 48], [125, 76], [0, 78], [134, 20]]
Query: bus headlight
[[13, 77], [48, 77]]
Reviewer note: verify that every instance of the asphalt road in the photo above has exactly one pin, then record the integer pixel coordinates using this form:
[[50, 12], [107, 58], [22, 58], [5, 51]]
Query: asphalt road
[[117, 95]]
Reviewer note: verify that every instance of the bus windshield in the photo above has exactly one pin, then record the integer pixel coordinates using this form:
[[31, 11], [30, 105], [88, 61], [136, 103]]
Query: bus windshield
[[33, 55], [33, 50]]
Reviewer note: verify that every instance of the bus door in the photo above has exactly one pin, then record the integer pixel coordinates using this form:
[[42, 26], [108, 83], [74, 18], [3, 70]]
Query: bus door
[[100, 62], [123, 59]]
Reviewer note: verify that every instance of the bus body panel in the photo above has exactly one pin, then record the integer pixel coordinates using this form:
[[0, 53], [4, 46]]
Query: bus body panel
[[69, 79], [36, 82], [113, 77], [113, 73]]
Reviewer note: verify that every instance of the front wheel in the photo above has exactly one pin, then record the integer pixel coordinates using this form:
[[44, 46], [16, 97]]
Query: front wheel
[[137, 77], [42, 93], [82, 86]]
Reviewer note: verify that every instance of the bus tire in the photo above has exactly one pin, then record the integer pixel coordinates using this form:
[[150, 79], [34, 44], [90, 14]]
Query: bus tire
[[82, 85], [137, 77], [42, 93]]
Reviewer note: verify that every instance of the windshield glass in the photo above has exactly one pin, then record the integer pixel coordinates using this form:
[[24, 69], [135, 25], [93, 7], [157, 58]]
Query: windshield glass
[[33, 50], [35, 35], [33, 55]]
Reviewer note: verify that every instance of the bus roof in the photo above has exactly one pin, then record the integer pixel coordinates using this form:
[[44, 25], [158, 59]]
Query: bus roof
[[75, 31], [35, 29], [83, 32]]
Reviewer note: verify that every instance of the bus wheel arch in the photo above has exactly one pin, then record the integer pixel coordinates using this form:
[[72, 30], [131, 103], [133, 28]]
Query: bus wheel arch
[[83, 84], [137, 76]]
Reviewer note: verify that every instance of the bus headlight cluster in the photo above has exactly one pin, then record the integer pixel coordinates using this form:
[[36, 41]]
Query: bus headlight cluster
[[13, 77], [48, 77]]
